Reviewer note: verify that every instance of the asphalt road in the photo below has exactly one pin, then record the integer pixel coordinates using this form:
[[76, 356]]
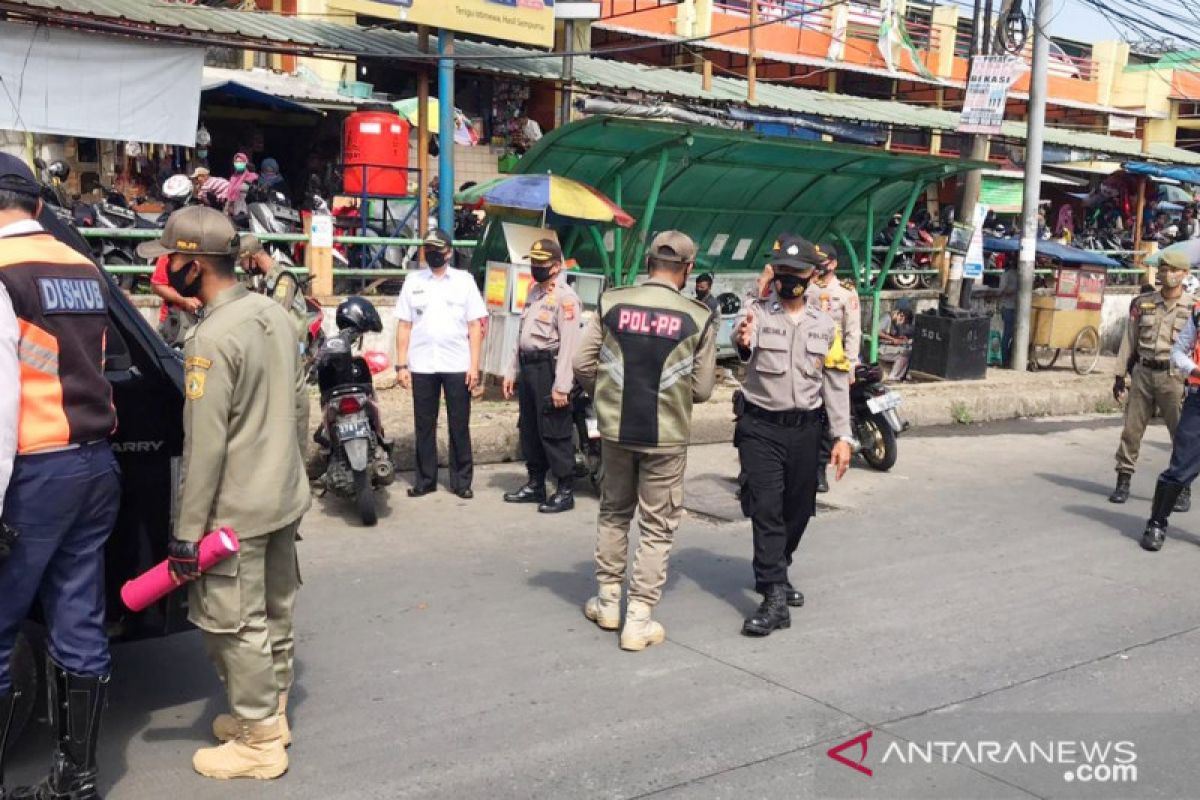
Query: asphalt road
[[982, 605]]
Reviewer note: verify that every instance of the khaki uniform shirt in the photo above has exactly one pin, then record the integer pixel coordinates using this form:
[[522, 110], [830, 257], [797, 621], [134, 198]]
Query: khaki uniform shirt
[[841, 302], [785, 366], [241, 466], [1154, 325], [551, 320]]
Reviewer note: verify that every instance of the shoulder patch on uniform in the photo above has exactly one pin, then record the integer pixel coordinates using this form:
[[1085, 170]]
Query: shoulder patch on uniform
[[198, 362], [568, 307], [281, 290], [193, 384]]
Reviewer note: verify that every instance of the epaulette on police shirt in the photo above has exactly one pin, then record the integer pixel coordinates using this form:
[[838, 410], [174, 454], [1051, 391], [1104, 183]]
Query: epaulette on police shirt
[[848, 283]]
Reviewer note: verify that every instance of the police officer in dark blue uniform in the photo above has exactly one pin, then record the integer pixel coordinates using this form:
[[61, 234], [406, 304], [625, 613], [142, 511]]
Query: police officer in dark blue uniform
[[59, 482]]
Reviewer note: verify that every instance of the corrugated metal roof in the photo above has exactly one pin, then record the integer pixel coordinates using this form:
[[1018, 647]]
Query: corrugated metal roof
[[278, 84], [331, 38]]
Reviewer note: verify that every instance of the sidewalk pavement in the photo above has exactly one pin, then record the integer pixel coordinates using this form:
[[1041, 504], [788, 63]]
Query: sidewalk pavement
[[1003, 395]]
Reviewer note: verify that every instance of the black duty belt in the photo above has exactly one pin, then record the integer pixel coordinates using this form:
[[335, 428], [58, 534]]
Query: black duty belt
[[1156, 364], [537, 356], [790, 419]]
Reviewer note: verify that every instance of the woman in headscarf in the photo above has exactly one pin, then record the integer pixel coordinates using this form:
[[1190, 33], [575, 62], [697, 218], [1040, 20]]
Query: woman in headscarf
[[239, 184], [271, 179]]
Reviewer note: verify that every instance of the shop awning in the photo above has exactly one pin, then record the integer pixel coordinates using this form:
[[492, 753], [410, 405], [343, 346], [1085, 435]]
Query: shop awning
[[1184, 174], [1071, 256], [733, 191], [274, 90]]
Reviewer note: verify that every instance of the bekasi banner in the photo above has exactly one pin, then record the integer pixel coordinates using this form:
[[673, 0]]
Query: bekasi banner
[[987, 94], [521, 21]]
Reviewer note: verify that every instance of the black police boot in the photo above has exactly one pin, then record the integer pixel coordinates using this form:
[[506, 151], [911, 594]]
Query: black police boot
[[8, 709], [1184, 503], [76, 702], [771, 615], [532, 492], [822, 481], [1121, 493], [1165, 495], [562, 500], [795, 597]]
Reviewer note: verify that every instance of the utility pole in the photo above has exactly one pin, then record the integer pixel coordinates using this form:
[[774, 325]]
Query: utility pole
[[1033, 180], [446, 131], [958, 289], [568, 71], [752, 55]]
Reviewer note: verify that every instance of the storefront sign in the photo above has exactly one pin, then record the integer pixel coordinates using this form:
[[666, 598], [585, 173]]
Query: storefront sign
[[987, 93], [522, 21]]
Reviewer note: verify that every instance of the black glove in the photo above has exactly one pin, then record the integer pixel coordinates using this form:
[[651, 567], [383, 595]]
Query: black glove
[[8, 538], [1118, 388], [183, 559]]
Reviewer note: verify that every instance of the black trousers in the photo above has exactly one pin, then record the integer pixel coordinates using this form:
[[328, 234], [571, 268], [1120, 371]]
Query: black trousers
[[779, 490], [427, 389], [546, 431]]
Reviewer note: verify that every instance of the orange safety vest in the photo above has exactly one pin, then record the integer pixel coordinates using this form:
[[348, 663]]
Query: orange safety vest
[[61, 304]]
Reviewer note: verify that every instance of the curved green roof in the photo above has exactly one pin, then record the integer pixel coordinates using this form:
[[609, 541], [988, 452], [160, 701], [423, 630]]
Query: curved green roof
[[732, 191]]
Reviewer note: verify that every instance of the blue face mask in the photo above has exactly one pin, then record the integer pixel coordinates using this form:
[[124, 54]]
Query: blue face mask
[[239, 167]]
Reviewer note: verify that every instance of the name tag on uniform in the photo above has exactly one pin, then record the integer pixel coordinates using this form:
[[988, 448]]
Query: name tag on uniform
[[71, 296], [647, 322]]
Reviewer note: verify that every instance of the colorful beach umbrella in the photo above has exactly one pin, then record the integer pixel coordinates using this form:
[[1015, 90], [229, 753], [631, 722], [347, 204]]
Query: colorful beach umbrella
[[410, 109], [562, 200]]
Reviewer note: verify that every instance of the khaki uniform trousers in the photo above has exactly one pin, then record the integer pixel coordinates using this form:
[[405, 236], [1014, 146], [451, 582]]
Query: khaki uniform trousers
[[244, 605], [1148, 390], [650, 482]]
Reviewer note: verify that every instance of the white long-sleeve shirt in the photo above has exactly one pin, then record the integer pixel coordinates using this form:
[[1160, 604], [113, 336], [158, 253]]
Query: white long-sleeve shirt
[[1181, 351], [10, 370]]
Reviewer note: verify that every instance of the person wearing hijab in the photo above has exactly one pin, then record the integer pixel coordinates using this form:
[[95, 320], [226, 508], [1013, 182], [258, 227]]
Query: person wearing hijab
[[271, 178], [239, 184]]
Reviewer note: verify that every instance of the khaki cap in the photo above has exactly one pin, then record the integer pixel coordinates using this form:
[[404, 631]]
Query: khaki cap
[[1174, 259], [673, 246], [197, 230], [249, 245]]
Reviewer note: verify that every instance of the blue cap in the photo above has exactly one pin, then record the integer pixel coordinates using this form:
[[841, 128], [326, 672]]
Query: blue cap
[[15, 176]]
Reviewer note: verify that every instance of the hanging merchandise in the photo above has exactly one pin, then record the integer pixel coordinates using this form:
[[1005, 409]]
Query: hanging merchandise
[[203, 137], [133, 150]]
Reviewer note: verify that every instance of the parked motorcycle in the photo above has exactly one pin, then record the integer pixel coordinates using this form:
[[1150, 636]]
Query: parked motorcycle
[[113, 213], [356, 457], [270, 212], [874, 417]]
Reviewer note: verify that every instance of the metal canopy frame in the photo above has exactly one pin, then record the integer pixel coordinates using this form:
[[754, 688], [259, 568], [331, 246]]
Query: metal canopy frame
[[747, 187]]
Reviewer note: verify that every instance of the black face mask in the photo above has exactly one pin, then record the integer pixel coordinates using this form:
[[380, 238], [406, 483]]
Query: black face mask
[[541, 274], [179, 282], [701, 294], [791, 286], [436, 259]]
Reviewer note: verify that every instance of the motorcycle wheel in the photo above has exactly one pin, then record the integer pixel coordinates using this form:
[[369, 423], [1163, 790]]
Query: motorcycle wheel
[[364, 498], [880, 447], [902, 276], [126, 281]]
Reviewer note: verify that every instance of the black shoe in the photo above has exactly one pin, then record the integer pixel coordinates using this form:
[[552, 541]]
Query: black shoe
[[795, 597], [418, 492], [771, 615], [1165, 496], [822, 481], [1183, 503], [1153, 537], [1121, 493], [76, 702], [562, 500], [534, 491], [465, 494]]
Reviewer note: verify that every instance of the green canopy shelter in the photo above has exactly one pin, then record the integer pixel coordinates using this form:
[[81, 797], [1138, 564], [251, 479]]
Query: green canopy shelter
[[733, 192]]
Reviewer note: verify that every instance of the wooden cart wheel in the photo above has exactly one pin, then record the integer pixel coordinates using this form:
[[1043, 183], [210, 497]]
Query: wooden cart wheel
[[1041, 357], [1085, 351]]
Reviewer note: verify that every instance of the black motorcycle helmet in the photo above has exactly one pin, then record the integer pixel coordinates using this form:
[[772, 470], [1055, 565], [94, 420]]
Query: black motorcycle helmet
[[358, 313], [59, 169]]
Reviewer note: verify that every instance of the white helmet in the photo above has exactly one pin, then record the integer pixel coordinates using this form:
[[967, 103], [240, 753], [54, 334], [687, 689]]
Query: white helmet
[[177, 188]]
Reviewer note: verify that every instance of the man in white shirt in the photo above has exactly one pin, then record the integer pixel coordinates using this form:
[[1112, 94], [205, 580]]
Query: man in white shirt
[[439, 338]]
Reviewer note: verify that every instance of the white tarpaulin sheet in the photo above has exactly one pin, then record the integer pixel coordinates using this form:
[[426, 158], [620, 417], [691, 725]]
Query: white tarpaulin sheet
[[99, 87]]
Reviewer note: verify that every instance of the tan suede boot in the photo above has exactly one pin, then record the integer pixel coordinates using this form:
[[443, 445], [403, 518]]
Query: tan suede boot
[[605, 608], [226, 727], [640, 631], [257, 752]]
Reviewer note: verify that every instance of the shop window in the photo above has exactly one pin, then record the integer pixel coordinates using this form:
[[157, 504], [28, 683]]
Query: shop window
[[1189, 110]]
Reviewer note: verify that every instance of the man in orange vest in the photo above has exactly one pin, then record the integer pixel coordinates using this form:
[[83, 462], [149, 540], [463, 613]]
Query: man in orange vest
[[59, 482], [1185, 452]]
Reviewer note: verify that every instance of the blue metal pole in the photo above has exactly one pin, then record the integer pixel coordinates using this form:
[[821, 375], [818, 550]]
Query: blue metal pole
[[446, 131]]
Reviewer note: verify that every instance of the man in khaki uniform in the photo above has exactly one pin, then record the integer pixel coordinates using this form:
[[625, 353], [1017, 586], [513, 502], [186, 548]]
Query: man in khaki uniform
[[789, 392], [549, 336], [241, 468], [271, 279], [840, 301], [1143, 371], [647, 356]]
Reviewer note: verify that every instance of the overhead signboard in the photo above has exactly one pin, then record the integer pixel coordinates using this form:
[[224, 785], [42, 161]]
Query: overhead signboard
[[521, 21], [987, 94]]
